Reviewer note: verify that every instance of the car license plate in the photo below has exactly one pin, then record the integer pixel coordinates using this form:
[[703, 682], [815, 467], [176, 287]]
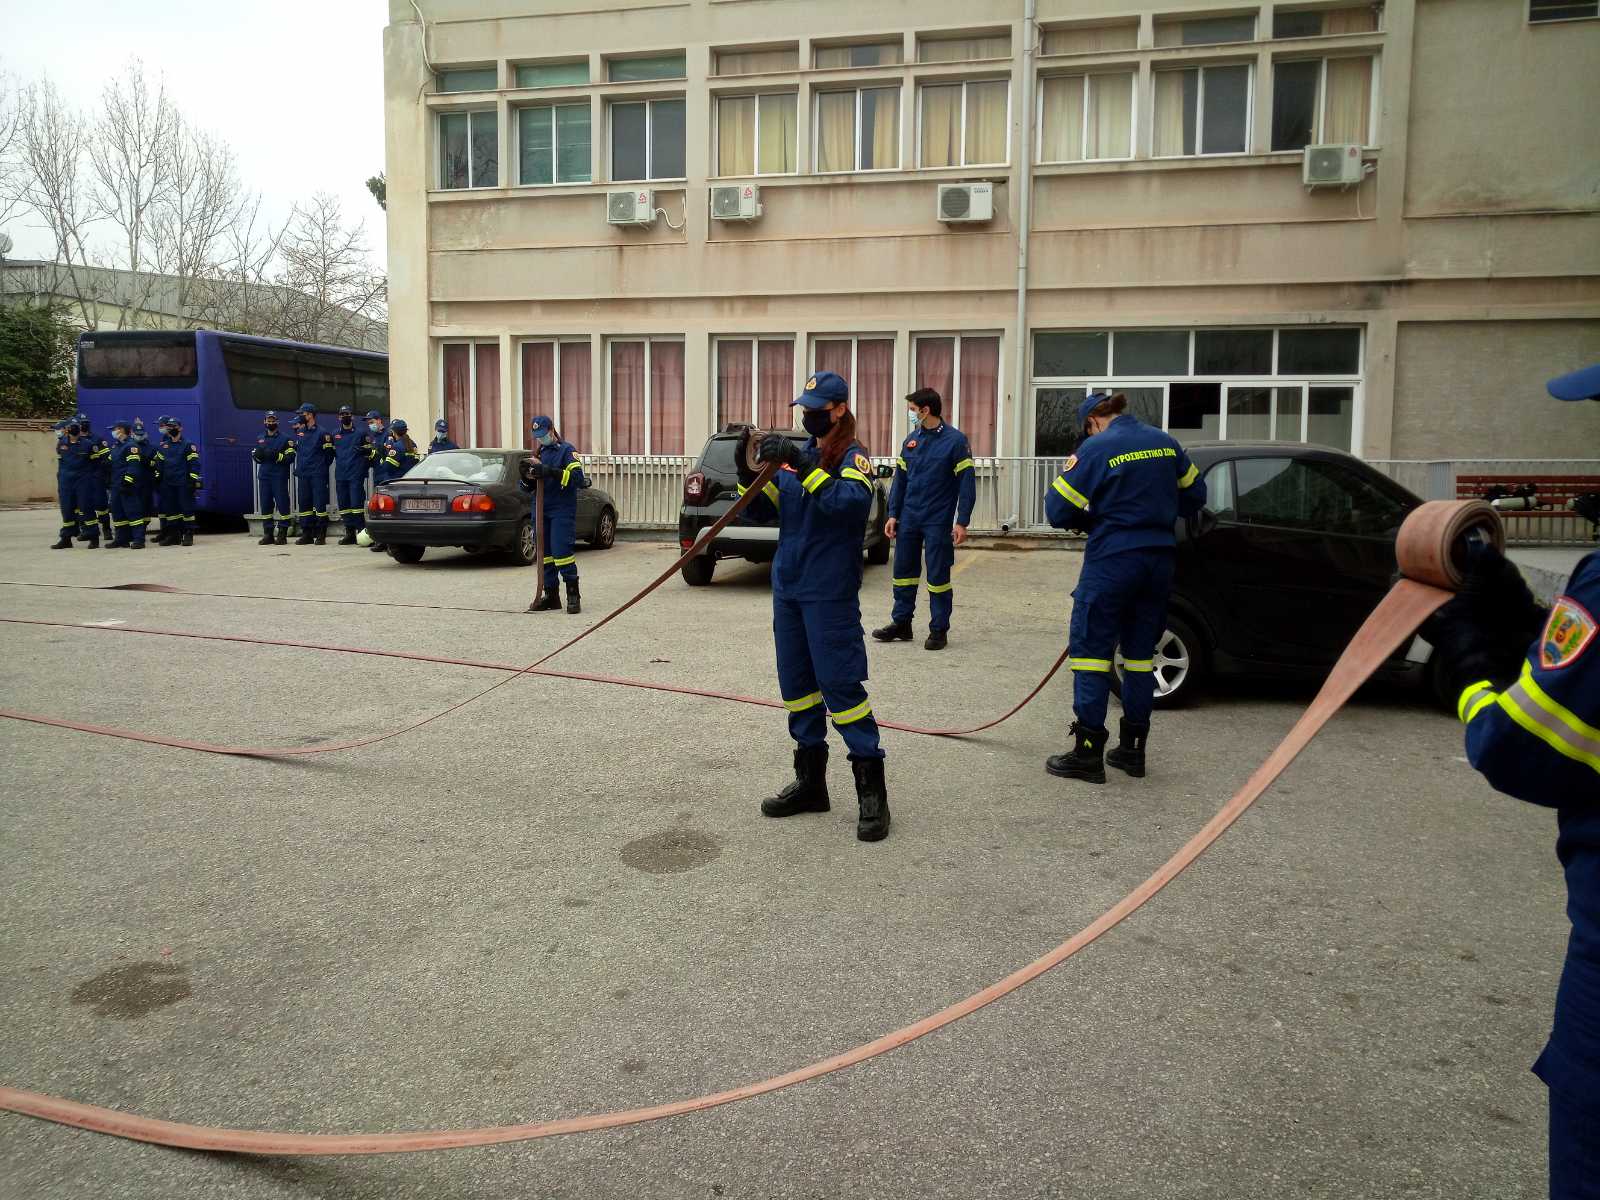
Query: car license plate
[[422, 504]]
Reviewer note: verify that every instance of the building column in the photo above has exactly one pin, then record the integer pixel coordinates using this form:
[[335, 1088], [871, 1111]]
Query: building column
[[408, 143]]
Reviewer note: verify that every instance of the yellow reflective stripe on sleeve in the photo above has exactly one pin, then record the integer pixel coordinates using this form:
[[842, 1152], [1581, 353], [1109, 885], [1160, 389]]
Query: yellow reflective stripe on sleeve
[[566, 475], [1189, 476], [1530, 706], [964, 465], [1070, 493], [900, 462], [912, 582], [849, 715], [804, 702], [852, 473], [1470, 693], [939, 588], [816, 479], [1138, 664], [1089, 664], [771, 490]]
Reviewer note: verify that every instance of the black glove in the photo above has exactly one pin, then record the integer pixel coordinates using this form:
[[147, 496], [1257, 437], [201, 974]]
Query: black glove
[[552, 474], [261, 454], [529, 470], [775, 448], [1484, 631], [1493, 579]]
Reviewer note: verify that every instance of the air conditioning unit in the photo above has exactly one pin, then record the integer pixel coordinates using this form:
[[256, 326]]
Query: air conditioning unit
[[631, 208], [960, 202], [736, 202], [1332, 166]]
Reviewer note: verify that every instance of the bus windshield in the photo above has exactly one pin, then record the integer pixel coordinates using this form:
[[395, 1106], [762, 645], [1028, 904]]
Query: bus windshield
[[138, 360]]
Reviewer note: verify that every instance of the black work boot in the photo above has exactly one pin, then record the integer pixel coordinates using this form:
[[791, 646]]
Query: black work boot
[[936, 640], [1087, 758], [894, 631], [808, 792], [322, 535], [349, 538], [94, 537], [187, 539], [266, 536], [64, 542], [105, 526], [573, 606], [1128, 754], [872, 825], [283, 535], [306, 538], [550, 601]]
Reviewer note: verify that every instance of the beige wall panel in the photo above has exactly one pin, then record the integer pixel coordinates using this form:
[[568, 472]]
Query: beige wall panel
[[1546, 244], [1125, 199], [27, 465], [1473, 389], [570, 221]]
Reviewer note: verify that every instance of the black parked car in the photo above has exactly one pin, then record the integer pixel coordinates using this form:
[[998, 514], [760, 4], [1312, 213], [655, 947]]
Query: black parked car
[[473, 499], [1294, 551], [710, 490]]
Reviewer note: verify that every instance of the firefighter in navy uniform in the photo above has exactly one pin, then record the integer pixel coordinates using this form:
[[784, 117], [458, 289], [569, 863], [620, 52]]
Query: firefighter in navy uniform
[[441, 437], [102, 476], [353, 452], [64, 490], [821, 499], [147, 471], [77, 480], [930, 505], [313, 452], [273, 453], [1126, 487], [178, 462], [1528, 681], [377, 430], [127, 468], [563, 475]]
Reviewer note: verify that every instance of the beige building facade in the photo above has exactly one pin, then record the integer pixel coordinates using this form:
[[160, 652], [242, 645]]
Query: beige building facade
[[1151, 228]]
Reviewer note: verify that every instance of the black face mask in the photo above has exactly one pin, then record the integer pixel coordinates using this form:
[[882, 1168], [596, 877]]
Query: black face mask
[[272, 427], [347, 421], [816, 421]]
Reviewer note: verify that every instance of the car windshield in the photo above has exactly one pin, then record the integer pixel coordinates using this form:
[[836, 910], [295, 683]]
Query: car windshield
[[460, 466]]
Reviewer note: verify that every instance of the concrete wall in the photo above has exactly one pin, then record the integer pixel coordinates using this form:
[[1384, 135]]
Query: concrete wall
[[27, 465]]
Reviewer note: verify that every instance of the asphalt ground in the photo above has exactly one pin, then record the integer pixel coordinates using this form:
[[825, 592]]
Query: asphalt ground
[[563, 899]]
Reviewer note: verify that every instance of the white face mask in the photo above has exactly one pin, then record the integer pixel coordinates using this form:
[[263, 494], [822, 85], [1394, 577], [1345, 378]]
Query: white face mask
[[547, 439]]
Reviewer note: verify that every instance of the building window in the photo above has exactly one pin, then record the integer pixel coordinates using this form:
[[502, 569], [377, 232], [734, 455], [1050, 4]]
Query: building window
[[1322, 100], [469, 150], [755, 62], [1324, 22], [963, 49], [1561, 10], [556, 74], [964, 124], [858, 130], [1083, 118], [863, 54], [867, 365], [646, 397], [1202, 110], [473, 79], [1206, 31], [633, 70], [1091, 39], [965, 371], [556, 384], [471, 390], [553, 144], [647, 139], [756, 134], [755, 382]]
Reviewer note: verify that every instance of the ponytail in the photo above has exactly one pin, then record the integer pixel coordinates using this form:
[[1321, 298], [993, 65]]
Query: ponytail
[[831, 448]]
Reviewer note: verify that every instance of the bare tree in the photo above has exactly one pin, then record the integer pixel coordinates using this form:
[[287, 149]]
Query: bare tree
[[10, 146], [202, 206], [54, 140], [327, 262]]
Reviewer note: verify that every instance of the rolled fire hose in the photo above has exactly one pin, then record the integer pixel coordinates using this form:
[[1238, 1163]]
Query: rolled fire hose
[[1429, 551]]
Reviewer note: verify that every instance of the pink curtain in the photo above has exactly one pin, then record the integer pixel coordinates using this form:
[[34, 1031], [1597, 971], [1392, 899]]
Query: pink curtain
[[457, 387], [834, 356], [936, 361], [627, 397], [575, 422], [666, 397], [776, 385], [980, 391], [872, 395], [538, 385], [735, 372], [488, 432]]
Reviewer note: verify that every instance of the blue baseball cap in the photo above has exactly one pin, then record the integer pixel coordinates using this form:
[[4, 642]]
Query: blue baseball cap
[[307, 408], [1090, 402], [82, 418], [542, 425], [128, 425], [398, 425], [346, 410], [163, 422], [441, 425], [269, 415], [374, 415], [61, 424], [822, 388], [1579, 385]]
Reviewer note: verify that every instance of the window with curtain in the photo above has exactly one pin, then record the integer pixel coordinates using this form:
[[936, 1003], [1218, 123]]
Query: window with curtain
[[1090, 39], [665, 398], [755, 62], [1202, 110], [474, 79], [756, 134], [755, 382], [1206, 31], [553, 144], [633, 70], [555, 383], [862, 54], [538, 387], [858, 130], [965, 371], [647, 139], [469, 150], [458, 387], [1324, 22], [472, 391], [627, 398], [964, 124], [559, 74], [646, 397], [1322, 100], [1086, 117], [963, 49], [867, 365]]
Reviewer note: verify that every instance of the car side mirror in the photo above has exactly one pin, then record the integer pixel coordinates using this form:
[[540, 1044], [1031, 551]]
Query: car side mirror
[[885, 471]]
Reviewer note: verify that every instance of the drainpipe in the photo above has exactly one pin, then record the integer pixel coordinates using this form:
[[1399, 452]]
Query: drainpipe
[[1030, 35]]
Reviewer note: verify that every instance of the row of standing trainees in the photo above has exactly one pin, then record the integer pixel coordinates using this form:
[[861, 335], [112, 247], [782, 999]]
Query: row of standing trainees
[[114, 489]]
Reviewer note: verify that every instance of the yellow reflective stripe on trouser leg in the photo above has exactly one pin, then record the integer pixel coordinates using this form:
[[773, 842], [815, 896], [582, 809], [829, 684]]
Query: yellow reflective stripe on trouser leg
[[912, 582], [1070, 493], [1089, 664], [804, 702], [564, 562], [849, 715], [936, 588], [1138, 664]]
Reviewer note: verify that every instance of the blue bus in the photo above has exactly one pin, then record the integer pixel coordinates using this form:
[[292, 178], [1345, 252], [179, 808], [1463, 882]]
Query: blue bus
[[219, 385]]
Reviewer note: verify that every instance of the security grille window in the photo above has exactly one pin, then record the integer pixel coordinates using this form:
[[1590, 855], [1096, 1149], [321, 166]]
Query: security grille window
[[470, 391], [858, 130], [1085, 118], [646, 397], [632, 70], [1206, 31], [1325, 22], [963, 49], [756, 62], [1561, 10], [862, 54], [476, 79], [1202, 110], [755, 382], [560, 74], [1299, 384], [647, 140], [1090, 39], [756, 134], [965, 371], [553, 144], [1322, 100], [964, 124], [867, 365], [556, 384], [469, 150]]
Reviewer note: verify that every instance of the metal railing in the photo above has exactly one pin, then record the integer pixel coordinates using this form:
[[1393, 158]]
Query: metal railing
[[1554, 524]]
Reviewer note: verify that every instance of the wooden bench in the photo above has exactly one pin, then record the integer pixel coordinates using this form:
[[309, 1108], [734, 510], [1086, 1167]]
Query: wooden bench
[[1552, 520]]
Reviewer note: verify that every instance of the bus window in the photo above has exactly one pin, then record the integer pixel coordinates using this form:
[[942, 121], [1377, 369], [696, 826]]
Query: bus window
[[325, 381], [372, 387], [261, 377], [137, 360]]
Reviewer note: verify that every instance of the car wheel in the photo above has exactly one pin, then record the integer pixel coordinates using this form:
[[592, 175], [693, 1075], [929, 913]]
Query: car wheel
[[1180, 662], [407, 554], [605, 530], [524, 547], [698, 570]]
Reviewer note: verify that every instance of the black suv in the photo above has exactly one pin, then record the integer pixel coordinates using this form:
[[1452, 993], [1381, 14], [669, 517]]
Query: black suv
[[710, 490]]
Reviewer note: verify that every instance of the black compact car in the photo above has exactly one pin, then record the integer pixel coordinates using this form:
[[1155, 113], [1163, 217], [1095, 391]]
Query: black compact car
[[1293, 552], [712, 486], [473, 499]]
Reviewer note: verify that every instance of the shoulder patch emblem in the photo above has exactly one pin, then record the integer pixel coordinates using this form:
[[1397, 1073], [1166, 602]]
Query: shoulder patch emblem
[[912, 444], [1072, 461], [863, 465], [1567, 634]]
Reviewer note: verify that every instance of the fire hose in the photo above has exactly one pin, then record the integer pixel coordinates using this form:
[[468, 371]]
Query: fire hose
[[1428, 552]]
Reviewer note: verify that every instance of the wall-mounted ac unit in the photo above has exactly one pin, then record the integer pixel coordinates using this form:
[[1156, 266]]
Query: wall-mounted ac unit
[[961, 202], [1332, 166], [736, 202], [631, 208]]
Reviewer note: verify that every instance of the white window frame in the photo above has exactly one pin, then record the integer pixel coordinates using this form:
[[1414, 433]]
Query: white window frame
[[900, 126], [1319, 133], [438, 137], [472, 345], [1528, 17], [555, 145], [649, 340], [964, 84], [1083, 130], [1200, 110], [755, 158], [649, 139], [556, 343], [754, 341]]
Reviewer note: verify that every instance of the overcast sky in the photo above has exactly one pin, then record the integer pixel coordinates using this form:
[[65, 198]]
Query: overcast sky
[[296, 86]]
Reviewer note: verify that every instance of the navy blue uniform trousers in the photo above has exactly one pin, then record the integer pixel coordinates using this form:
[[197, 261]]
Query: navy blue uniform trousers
[[910, 544], [1120, 600], [822, 663]]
